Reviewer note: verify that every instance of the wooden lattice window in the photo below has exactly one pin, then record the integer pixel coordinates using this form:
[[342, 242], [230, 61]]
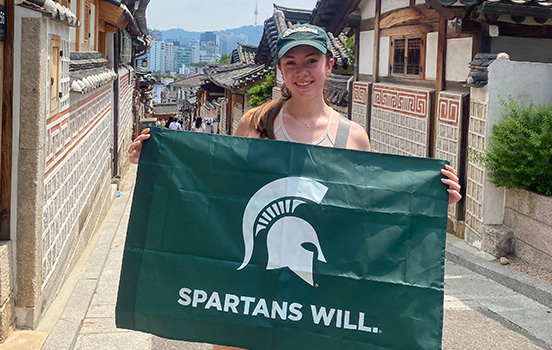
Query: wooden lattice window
[[87, 22], [407, 56], [55, 67]]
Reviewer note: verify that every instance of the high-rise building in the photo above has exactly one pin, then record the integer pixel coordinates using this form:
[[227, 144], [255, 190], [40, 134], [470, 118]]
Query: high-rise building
[[182, 57], [156, 57], [229, 41], [170, 51], [208, 37]]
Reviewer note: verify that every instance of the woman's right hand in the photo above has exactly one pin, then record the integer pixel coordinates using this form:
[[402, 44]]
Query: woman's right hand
[[136, 146]]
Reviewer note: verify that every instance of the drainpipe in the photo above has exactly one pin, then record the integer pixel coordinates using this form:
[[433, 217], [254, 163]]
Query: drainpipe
[[116, 61]]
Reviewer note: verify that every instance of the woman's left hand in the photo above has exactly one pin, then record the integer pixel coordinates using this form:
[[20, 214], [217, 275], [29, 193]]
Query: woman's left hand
[[452, 181]]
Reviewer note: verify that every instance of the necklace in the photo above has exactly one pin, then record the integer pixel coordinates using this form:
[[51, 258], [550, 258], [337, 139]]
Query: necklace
[[305, 124]]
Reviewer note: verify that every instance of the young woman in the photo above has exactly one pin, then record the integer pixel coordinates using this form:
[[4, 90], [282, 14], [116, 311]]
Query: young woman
[[302, 115]]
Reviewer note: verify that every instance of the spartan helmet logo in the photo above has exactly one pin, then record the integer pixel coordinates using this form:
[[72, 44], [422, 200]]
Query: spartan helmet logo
[[274, 205]]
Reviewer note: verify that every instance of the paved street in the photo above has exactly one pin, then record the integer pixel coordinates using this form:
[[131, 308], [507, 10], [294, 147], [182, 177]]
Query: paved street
[[479, 312]]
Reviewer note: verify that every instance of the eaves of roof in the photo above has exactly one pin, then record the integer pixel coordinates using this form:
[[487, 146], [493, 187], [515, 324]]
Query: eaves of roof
[[54, 9], [233, 75]]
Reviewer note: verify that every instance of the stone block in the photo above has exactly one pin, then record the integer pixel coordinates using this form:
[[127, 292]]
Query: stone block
[[7, 317], [498, 240], [530, 204], [528, 229], [6, 277], [532, 255]]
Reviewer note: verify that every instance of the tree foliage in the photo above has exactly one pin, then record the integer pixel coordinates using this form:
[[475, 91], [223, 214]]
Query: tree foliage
[[350, 47], [262, 92], [224, 58], [519, 153]]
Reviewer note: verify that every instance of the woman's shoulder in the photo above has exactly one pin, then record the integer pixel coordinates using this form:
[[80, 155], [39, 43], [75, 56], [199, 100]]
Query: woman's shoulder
[[358, 138], [245, 125]]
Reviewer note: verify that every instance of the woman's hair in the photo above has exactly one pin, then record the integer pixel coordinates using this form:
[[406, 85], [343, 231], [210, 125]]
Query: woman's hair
[[263, 117]]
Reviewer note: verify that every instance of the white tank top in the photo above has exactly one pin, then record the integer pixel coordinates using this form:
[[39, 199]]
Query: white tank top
[[281, 134]]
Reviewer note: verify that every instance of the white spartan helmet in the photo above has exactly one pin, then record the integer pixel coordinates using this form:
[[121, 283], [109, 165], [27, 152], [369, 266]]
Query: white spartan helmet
[[288, 233]]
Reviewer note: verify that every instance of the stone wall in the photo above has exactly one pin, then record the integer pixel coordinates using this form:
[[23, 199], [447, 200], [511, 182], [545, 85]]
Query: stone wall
[[529, 215], [7, 315]]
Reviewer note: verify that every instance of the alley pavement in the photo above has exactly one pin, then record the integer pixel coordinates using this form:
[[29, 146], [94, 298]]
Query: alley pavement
[[487, 306]]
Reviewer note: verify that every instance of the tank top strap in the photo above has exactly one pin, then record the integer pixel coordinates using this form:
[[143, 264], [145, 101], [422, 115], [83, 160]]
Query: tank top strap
[[342, 132]]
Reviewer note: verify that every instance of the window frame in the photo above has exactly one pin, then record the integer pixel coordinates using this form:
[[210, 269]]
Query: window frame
[[55, 73], [422, 60]]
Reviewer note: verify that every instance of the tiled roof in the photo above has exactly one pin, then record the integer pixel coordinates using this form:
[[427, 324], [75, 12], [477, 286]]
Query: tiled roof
[[330, 14], [284, 18], [232, 75], [189, 81], [244, 53], [165, 109], [337, 92], [54, 9], [479, 68], [540, 10], [88, 71]]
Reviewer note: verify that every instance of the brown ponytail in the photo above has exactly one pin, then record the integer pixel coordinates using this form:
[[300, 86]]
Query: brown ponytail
[[263, 117]]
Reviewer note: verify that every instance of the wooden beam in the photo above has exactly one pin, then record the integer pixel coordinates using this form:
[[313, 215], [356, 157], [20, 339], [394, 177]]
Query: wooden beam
[[78, 29], [367, 24], [411, 30], [408, 16], [448, 13], [6, 118], [440, 81], [375, 63]]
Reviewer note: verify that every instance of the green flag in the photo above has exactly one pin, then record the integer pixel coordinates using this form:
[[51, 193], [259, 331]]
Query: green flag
[[264, 244]]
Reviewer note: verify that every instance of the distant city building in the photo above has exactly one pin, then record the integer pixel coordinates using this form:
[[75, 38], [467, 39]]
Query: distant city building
[[170, 51], [196, 53], [208, 37], [209, 52], [182, 57], [156, 57], [229, 41]]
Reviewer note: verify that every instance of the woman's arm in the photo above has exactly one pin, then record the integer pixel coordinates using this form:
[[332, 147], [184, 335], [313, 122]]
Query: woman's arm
[[136, 146]]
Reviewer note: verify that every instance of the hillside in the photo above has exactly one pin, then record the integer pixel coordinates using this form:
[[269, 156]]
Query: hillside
[[254, 33]]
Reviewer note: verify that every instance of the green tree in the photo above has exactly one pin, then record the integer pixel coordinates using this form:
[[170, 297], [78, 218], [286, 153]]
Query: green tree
[[224, 58], [260, 93], [519, 153], [350, 47]]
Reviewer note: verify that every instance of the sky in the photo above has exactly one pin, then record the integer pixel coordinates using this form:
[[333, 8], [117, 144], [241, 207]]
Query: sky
[[207, 15]]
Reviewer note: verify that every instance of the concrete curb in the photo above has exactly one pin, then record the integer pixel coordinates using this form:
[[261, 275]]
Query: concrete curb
[[532, 288]]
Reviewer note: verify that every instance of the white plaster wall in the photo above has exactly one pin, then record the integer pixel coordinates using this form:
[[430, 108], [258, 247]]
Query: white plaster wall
[[367, 9], [519, 80], [385, 43], [388, 5], [73, 7], [366, 53], [431, 56], [459, 55]]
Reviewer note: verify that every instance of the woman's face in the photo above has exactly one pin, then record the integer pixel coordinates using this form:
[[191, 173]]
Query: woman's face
[[304, 69]]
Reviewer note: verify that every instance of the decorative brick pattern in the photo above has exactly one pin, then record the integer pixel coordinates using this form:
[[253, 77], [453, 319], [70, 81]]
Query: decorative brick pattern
[[77, 149], [400, 121], [125, 118], [276, 93], [447, 141], [360, 102], [476, 170]]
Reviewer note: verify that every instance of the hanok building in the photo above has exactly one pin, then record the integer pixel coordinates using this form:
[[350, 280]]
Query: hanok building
[[283, 18], [429, 79], [65, 130], [222, 96]]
